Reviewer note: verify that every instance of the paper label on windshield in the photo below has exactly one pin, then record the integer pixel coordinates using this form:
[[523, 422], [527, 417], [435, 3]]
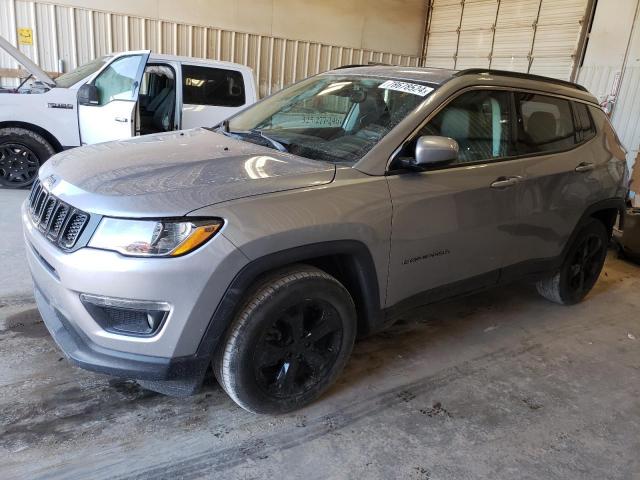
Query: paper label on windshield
[[406, 87]]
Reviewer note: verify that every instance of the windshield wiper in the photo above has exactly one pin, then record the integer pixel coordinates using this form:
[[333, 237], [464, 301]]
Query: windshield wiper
[[276, 144], [224, 129]]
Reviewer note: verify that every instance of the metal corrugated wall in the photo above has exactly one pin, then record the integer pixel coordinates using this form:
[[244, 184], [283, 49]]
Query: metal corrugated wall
[[622, 95], [626, 113], [76, 35], [536, 36]]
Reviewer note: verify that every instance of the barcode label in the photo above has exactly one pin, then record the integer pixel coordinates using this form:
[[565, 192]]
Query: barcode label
[[414, 88]]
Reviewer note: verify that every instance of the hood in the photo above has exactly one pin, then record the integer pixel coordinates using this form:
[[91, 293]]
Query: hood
[[26, 62], [171, 174]]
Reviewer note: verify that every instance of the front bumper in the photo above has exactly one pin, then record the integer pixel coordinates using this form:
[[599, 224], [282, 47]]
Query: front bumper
[[187, 371], [192, 284]]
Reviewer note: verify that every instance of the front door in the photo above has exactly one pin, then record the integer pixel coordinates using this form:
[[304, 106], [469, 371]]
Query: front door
[[113, 117], [452, 225]]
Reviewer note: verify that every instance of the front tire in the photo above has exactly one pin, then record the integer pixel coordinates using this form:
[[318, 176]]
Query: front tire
[[22, 152], [290, 340], [581, 267]]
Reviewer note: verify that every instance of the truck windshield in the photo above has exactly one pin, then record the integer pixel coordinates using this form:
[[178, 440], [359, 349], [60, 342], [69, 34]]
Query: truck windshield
[[329, 117], [68, 79]]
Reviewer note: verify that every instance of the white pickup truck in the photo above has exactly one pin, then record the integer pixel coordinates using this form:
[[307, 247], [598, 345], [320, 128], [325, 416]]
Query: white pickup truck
[[113, 97]]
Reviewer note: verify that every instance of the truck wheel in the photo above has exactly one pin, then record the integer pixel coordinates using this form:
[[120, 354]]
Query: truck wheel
[[21, 154], [581, 267], [290, 340]]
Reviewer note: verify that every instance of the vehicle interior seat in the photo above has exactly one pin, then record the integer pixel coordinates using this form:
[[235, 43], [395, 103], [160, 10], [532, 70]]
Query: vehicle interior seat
[[163, 114], [157, 104], [373, 110], [152, 106], [542, 128], [370, 125], [471, 130]]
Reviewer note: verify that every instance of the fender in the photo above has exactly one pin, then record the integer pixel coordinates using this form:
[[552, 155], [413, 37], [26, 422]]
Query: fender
[[358, 260], [610, 203], [184, 375], [41, 111], [46, 134]]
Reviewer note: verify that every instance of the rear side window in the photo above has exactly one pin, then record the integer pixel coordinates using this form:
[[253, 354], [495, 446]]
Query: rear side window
[[545, 123], [212, 86], [585, 130]]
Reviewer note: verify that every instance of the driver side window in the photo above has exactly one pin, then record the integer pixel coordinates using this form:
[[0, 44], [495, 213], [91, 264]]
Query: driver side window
[[118, 80], [480, 121]]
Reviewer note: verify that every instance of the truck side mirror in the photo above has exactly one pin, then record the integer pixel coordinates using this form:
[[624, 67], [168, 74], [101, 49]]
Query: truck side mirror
[[88, 95]]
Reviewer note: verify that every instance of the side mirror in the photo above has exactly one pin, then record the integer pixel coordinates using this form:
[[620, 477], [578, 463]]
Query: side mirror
[[88, 95], [431, 151]]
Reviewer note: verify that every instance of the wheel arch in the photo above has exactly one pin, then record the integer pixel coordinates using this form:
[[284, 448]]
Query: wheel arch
[[349, 261], [605, 211], [48, 136], [608, 216]]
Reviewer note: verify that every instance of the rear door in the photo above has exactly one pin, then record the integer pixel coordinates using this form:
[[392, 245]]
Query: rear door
[[113, 117], [560, 178], [212, 94], [452, 225]]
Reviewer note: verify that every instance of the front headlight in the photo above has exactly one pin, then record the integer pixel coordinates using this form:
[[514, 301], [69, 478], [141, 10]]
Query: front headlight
[[153, 238]]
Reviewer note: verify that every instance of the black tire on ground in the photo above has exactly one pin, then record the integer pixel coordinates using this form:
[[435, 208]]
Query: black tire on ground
[[581, 267], [22, 152], [289, 341]]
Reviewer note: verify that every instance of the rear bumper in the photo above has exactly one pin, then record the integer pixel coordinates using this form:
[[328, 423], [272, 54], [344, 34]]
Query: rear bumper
[[184, 373]]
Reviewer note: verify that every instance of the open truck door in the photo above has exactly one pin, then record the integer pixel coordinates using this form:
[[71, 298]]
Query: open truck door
[[107, 105]]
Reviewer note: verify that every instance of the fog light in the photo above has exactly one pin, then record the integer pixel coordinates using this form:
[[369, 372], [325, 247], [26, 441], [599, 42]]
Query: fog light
[[124, 316], [154, 319]]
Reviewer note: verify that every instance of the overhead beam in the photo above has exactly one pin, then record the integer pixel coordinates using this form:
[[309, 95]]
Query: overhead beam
[[21, 73]]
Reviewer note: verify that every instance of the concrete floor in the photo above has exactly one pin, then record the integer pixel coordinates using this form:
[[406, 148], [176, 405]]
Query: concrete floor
[[502, 385], [15, 281]]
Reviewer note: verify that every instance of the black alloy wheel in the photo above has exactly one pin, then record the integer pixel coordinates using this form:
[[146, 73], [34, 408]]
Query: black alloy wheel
[[581, 268], [22, 152], [289, 340], [18, 165], [585, 264], [298, 349]]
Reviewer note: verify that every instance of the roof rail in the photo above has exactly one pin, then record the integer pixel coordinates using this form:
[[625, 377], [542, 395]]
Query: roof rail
[[370, 64], [526, 76]]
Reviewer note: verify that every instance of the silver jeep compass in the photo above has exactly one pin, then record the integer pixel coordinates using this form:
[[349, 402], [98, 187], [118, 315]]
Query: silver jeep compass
[[264, 246]]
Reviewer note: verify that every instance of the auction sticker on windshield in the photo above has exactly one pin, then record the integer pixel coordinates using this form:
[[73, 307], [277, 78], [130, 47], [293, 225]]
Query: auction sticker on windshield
[[415, 88]]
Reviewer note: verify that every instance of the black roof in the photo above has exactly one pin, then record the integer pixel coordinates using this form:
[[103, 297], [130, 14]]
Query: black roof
[[526, 76]]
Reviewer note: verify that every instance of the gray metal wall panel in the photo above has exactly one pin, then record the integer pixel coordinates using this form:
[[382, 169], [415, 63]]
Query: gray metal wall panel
[[76, 35]]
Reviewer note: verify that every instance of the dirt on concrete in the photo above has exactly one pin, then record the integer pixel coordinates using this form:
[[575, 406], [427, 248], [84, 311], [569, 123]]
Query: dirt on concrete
[[500, 385]]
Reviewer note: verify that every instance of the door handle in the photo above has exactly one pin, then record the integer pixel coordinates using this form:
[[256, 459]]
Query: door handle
[[121, 119], [585, 167], [505, 182]]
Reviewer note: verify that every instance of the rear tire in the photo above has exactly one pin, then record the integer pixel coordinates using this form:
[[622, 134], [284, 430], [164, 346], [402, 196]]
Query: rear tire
[[290, 340], [22, 152], [581, 267]]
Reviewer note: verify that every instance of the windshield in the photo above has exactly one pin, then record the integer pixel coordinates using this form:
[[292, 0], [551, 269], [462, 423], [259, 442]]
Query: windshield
[[329, 117], [68, 79]]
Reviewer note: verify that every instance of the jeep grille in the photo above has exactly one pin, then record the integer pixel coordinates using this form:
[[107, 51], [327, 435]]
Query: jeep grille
[[59, 222]]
